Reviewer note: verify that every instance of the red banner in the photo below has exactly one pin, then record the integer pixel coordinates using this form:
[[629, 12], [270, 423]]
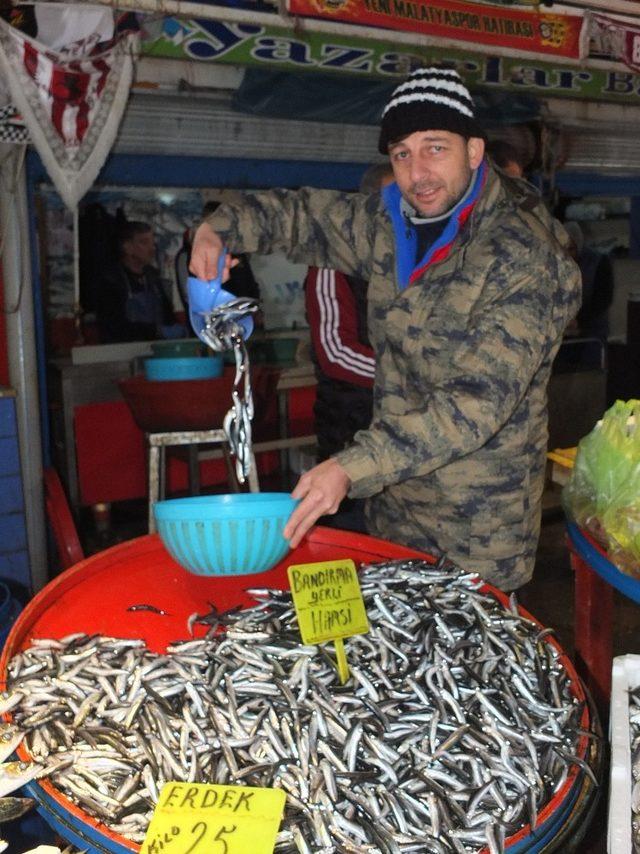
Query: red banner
[[539, 32]]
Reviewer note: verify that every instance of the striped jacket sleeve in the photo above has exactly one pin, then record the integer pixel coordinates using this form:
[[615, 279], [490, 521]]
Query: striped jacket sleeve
[[333, 321]]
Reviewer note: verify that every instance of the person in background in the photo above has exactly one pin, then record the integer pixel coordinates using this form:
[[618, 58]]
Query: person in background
[[592, 320], [470, 290], [506, 157], [336, 307], [131, 303]]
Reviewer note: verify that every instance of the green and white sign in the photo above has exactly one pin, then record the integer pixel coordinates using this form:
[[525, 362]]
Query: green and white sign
[[274, 47]]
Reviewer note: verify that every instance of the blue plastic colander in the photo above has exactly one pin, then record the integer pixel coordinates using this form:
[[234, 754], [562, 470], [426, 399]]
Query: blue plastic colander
[[236, 534]]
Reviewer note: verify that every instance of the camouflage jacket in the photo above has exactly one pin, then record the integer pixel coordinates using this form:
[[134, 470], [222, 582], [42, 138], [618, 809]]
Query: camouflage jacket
[[454, 458]]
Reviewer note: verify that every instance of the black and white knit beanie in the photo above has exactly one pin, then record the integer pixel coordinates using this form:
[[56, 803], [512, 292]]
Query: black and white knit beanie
[[429, 99]]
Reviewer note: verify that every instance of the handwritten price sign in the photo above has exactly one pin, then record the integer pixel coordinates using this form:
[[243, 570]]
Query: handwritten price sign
[[328, 600], [329, 605], [207, 819]]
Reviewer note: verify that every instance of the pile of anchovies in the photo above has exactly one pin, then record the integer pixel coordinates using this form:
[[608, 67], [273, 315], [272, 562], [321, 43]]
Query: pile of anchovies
[[458, 722], [634, 725]]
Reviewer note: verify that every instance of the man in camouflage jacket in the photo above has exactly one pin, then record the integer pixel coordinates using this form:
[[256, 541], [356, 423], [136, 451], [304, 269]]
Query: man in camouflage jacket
[[464, 338]]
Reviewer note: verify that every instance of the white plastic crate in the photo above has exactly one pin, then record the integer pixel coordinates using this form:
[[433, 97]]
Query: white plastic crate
[[625, 676]]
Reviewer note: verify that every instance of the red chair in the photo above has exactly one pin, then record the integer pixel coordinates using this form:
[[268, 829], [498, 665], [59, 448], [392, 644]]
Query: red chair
[[61, 521]]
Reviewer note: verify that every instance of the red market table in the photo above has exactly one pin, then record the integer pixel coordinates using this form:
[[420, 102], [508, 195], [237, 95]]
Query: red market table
[[94, 596], [595, 579]]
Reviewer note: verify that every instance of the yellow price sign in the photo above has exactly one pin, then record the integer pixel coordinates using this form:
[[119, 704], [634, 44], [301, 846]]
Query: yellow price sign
[[329, 604], [204, 818]]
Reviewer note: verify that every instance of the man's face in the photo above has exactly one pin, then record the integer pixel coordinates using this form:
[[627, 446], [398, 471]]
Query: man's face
[[433, 168], [142, 248]]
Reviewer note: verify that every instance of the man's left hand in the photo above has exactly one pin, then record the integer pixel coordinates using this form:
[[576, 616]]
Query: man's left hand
[[321, 490]]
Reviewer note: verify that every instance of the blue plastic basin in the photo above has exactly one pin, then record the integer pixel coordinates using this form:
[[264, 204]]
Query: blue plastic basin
[[184, 368], [236, 534], [177, 349]]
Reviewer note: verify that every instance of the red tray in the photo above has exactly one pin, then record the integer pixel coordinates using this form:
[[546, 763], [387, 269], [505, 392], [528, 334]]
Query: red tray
[[93, 596]]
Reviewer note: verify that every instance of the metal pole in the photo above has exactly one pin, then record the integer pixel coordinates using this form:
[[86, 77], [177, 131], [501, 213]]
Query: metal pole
[[21, 339]]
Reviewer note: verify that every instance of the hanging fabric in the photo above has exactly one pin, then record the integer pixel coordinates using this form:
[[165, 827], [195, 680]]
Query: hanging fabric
[[71, 100], [12, 127]]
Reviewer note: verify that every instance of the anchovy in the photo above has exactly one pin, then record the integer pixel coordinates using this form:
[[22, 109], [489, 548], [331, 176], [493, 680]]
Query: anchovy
[[16, 774], [448, 736], [151, 608], [10, 738]]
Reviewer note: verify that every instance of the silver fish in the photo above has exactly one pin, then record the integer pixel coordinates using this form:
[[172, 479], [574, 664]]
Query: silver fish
[[16, 774], [10, 738]]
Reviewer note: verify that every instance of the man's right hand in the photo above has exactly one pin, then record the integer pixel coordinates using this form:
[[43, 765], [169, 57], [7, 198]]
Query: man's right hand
[[205, 254]]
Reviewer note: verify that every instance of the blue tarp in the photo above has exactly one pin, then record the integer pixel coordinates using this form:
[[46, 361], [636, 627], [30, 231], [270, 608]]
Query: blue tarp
[[340, 98]]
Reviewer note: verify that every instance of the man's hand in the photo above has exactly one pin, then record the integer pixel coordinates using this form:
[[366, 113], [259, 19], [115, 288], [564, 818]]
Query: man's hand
[[205, 254], [321, 490]]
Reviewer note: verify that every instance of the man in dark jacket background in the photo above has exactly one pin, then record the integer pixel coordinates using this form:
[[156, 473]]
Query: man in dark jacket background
[[130, 300]]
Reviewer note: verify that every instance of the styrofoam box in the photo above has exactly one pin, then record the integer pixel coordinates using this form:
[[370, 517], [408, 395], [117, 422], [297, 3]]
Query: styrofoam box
[[625, 676]]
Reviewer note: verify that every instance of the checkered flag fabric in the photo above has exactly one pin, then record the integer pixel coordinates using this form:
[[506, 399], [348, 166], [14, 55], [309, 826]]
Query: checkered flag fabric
[[12, 128]]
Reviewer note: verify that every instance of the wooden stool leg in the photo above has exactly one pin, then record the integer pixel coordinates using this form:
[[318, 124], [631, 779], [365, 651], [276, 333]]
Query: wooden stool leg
[[194, 470], [231, 469], [102, 516], [162, 473], [254, 485], [154, 486]]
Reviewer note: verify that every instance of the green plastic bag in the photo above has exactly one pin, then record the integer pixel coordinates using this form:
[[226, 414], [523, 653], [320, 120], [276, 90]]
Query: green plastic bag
[[603, 492]]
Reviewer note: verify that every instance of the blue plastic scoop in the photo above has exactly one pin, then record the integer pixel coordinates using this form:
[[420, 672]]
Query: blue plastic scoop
[[205, 296]]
